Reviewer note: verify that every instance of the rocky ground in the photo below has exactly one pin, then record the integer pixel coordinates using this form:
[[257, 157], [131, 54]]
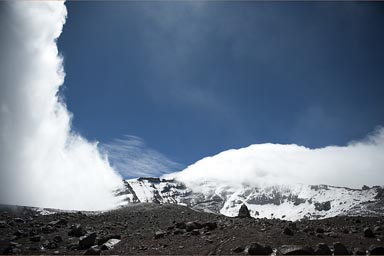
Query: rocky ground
[[173, 229]]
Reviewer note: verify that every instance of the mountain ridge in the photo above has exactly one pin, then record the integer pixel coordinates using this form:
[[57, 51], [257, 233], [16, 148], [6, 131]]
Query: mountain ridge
[[290, 202]]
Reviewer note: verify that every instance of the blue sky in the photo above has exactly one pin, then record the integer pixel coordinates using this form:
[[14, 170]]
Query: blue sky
[[190, 79]]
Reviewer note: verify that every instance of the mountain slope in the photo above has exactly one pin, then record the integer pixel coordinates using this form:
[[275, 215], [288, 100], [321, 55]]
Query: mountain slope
[[290, 202]]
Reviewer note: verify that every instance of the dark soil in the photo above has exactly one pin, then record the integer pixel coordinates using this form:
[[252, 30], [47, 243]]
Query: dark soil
[[169, 229]]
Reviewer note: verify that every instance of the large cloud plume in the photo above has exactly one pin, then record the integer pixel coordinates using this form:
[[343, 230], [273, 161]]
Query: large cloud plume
[[43, 163], [353, 165]]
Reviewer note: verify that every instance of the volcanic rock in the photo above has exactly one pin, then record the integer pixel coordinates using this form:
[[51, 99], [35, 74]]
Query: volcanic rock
[[180, 225], [288, 231], [77, 231], [368, 232], [87, 241], [57, 239], [210, 225], [322, 249], [376, 250], [257, 249], [244, 212], [340, 249], [5, 247]]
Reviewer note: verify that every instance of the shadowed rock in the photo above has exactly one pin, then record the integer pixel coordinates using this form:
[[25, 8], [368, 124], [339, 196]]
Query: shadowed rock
[[244, 212], [87, 241], [368, 232], [376, 250], [323, 249], [77, 231], [340, 249], [258, 249]]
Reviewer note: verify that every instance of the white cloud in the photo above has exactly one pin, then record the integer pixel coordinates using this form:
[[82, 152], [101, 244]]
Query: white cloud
[[43, 163], [358, 163], [133, 158]]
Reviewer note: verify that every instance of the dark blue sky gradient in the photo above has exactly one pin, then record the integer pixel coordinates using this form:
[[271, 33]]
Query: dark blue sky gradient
[[196, 78]]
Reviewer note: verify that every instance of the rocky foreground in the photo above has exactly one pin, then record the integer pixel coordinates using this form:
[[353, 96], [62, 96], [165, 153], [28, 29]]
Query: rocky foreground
[[173, 229]]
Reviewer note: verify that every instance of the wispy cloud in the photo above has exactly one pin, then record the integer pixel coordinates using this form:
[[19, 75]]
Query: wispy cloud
[[132, 157]]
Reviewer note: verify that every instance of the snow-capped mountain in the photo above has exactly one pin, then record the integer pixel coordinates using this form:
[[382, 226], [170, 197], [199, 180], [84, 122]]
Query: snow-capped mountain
[[290, 202]]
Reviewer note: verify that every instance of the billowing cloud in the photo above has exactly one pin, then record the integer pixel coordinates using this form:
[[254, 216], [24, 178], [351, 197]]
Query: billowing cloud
[[353, 165], [133, 158], [42, 162]]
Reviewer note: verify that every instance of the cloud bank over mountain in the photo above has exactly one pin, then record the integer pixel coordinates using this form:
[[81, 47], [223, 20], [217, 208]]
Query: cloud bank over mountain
[[43, 162], [353, 165]]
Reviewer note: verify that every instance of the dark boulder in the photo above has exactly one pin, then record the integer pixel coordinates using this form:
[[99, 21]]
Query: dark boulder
[[180, 225], [323, 249], [288, 231], [258, 249], [292, 225], [87, 241], [368, 232], [244, 212], [19, 233], [5, 247], [210, 225], [296, 250], [58, 239], [376, 250], [340, 249], [77, 231]]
